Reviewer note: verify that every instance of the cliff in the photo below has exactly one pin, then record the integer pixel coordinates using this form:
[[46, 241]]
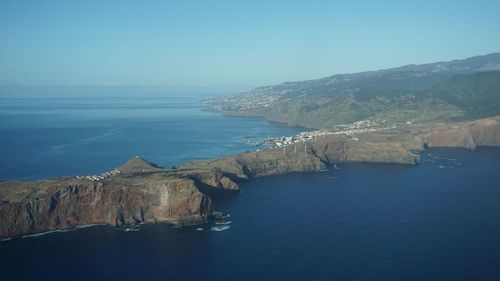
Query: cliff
[[140, 191], [121, 199], [309, 156], [483, 132]]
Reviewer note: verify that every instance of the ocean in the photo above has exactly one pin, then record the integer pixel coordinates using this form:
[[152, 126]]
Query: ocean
[[438, 220], [69, 131]]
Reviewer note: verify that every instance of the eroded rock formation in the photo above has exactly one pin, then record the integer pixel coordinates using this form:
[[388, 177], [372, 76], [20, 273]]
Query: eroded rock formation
[[144, 192]]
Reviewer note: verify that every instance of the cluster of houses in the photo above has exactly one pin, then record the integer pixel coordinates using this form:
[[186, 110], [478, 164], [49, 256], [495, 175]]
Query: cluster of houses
[[302, 137], [350, 130], [99, 177]]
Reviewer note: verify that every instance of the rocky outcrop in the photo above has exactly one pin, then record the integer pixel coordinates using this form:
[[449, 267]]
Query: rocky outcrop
[[308, 156], [145, 192], [455, 136], [483, 132], [137, 164], [486, 132], [40, 206]]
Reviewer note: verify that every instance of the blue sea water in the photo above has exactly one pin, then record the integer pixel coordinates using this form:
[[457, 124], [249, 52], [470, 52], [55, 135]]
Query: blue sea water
[[68, 131], [438, 220]]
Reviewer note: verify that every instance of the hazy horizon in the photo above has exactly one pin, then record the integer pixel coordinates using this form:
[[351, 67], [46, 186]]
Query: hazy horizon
[[231, 45], [216, 87]]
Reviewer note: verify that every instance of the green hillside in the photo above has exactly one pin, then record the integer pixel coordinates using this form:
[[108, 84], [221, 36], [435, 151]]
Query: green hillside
[[456, 90], [478, 94]]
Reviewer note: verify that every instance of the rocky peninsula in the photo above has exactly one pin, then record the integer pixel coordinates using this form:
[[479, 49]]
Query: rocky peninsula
[[141, 192]]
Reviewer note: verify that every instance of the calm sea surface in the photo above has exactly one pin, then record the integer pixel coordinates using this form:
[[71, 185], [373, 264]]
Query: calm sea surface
[[439, 220], [48, 132]]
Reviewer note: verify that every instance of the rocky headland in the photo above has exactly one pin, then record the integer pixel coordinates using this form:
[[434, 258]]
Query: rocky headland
[[141, 192]]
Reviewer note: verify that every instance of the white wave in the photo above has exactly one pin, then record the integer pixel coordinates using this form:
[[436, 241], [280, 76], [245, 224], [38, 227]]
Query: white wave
[[42, 233], [220, 228], [76, 227], [444, 167], [87, 225], [131, 229]]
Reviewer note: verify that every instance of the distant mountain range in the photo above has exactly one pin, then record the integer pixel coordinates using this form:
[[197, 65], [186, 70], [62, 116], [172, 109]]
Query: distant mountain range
[[444, 91]]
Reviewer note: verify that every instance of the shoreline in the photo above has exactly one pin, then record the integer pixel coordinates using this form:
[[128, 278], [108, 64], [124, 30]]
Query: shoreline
[[179, 224], [145, 193]]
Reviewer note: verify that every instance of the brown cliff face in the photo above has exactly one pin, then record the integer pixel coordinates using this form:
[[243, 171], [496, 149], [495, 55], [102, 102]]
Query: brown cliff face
[[483, 132], [450, 137], [308, 156], [486, 132], [377, 152], [39, 206]]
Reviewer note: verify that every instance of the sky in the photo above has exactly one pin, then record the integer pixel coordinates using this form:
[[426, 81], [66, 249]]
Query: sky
[[241, 44]]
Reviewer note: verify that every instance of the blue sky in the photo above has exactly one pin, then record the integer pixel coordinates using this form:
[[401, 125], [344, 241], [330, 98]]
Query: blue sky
[[232, 43]]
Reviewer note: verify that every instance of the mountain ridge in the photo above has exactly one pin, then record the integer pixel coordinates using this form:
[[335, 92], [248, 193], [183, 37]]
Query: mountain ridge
[[396, 95]]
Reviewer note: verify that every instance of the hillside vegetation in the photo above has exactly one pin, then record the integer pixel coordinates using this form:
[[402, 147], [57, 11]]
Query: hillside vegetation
[[444, 91]]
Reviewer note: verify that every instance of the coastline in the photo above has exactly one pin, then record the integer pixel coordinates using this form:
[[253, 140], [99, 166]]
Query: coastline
[[145, 193]]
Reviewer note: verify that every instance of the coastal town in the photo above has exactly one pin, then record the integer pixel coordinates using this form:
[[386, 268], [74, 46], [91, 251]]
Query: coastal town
[[348, 130], [100, 176]]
